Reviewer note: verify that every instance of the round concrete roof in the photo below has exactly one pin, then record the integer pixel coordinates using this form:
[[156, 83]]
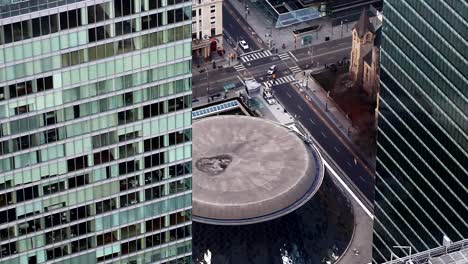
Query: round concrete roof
[[248, 170]]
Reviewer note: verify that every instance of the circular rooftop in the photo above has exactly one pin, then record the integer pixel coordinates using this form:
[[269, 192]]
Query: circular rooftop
[[249, 170]]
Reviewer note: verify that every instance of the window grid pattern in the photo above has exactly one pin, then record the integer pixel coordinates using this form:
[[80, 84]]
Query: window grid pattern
[[422, 140], [95, 132]]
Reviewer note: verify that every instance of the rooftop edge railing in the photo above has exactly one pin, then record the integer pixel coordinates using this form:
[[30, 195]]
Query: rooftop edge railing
[[425, 256]]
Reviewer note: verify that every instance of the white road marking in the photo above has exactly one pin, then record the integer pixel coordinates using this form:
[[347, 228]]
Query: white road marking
[[255, 55], [331, 52], [295, 69], [349, 164], [300, 108], [284, 56], [334, 174], [239, 68], [336, 149], [323, 134], [288, 94], [292, 55], [312, 121], [242, 81], [281, 80]]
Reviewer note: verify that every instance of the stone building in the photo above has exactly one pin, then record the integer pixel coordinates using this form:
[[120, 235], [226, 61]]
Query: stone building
[[365, 56], [207, 27]]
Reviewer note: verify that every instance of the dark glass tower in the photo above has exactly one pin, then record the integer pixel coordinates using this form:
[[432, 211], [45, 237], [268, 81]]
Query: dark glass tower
[[422, 147]]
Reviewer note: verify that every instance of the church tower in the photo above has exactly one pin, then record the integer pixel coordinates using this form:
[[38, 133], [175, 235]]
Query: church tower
[[363, 40]]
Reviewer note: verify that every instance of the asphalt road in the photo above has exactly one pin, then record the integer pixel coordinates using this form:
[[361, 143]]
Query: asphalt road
[[324, 53], [236, 27], [323, 133], [311, 117], [214, 80]]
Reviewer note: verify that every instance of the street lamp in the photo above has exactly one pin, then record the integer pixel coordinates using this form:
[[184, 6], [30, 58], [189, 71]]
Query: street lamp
[[270, 36], [310, 52], [326, 101], [346, 20], [208, 79], [341, 28]]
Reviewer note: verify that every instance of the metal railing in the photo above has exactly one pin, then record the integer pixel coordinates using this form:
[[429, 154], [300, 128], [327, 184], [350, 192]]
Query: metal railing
[[425, 256]]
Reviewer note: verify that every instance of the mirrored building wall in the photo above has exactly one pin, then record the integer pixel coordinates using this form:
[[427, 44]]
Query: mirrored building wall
[[422, 153], [95, 131]]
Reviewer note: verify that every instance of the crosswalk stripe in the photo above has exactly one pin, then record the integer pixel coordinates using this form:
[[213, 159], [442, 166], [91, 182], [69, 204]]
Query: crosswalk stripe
[[284, 56], [239, 67], [281, 80], [295, 69], [256, 56]]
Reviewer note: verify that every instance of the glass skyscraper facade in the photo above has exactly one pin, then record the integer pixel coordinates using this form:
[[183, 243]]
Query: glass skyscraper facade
[[422, 180], [95, 131]]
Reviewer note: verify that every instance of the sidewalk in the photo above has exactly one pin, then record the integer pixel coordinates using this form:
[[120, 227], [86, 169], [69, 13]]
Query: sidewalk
[[221, 61], [316, 94], [203, 100], [275, 112], [261, 25]]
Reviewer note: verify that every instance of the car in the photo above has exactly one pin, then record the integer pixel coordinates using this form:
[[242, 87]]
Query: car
[[268, 98], [243, 45], [271, 70], [215, 95]]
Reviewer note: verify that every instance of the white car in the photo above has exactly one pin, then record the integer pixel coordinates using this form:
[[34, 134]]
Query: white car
[[269, 98], [271, 70], [243, 45]]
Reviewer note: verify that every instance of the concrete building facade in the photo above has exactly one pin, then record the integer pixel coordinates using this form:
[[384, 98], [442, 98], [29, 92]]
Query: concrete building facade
[[207, 27], [95, 131]]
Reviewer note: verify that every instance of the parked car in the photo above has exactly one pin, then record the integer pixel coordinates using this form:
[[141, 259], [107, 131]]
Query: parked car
[[269, 97], [243, 45], [271, 70]]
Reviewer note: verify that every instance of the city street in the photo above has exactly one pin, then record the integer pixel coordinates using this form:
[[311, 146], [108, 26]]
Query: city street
[[329, 52], [325, 134], [255, 62], [256, 65], [235, 28], [289, 63]]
